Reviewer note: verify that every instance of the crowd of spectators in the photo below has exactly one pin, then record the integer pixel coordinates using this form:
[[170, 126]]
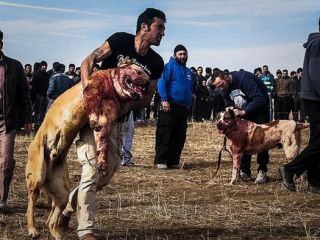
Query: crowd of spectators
[[284, 92]]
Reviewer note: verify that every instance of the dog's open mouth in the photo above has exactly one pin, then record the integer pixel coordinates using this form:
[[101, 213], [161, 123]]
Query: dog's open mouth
[[136, 89], [221, 128]]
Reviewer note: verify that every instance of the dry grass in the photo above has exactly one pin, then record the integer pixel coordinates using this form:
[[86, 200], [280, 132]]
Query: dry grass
[[145, 203]]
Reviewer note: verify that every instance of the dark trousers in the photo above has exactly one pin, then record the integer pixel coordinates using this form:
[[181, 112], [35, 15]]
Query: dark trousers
[[283, 107], [298, 108], [261, 116], [309, 159], [7, 162], [171, 135], [40, 110]]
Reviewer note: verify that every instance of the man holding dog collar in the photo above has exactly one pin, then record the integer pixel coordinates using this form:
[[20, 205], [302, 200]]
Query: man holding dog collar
[[118, 48], [244, 91]]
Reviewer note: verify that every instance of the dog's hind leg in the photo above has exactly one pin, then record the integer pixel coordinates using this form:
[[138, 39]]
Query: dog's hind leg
[[33, 193], [59, 192], [290, 147], [35, 177]]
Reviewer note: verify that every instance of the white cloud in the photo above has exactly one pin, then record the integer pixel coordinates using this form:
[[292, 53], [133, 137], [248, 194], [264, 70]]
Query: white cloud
[[276, 56], [64, 10]]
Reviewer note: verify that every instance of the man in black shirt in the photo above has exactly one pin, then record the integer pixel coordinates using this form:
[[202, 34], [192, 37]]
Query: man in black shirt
[[118, 48]]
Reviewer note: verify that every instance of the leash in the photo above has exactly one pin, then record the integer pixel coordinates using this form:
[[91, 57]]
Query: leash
[[224, 148]]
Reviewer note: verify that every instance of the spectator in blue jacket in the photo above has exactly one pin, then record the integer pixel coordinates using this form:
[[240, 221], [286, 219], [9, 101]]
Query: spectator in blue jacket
[[244, 91], [175, 90], [59, 82]]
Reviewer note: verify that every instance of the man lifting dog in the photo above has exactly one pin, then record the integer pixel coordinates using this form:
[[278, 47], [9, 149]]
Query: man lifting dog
[[117, 48]]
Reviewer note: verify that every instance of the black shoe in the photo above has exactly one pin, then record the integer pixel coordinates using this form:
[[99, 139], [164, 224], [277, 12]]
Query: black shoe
[[287, 179], [175, 166], [63, 222], [313, 189]]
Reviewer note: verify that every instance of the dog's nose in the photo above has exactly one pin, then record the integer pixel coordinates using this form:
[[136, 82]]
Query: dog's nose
[[219, 125]]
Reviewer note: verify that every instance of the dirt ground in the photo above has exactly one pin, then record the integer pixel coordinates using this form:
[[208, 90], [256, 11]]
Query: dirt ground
[[145, 203]]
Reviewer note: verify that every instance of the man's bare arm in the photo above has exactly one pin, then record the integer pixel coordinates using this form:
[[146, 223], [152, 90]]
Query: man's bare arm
[[88, 63]]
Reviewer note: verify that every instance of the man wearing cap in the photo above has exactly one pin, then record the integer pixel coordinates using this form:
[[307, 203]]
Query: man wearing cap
[[14, 97], [175, 90]]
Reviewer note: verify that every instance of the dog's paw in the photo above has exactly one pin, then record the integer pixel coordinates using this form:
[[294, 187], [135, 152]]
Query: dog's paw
[[232, 182], [33, 233], [102, 168], [94, 122]]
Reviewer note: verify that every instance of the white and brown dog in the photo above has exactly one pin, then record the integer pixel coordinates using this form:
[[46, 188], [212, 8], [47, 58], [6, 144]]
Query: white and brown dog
[[250, 138], [99, 103]]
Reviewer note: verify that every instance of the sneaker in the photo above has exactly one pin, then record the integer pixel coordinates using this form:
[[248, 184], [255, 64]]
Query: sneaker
[[175, 166], [261, 177], [3, 206], [313, 189], [161, 166], [287, 179], [245, 177], [128, 164]]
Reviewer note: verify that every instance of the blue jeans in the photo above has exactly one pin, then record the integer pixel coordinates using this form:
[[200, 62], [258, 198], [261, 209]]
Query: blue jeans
[[127, 141]]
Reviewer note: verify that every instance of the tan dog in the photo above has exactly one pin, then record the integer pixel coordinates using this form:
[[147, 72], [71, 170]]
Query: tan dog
[[46, 168], [251, 138]]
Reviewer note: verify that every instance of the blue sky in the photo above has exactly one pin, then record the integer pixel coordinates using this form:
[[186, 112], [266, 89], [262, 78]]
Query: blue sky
[[229, 34]]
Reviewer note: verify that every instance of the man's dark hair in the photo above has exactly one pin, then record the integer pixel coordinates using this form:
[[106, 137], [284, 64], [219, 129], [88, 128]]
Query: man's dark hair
[[55, 64], [43, 63], [57, 67], [148, 16], [299, 70], [208, 70], [217, 73], [258, 69], [1, 36], [292, 73], [285, 70], [36, 66], [265, 66], [27, 65], [72, 65]]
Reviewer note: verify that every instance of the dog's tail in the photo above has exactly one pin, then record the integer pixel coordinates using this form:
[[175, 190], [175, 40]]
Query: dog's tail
[[36, 164], [300, 126]]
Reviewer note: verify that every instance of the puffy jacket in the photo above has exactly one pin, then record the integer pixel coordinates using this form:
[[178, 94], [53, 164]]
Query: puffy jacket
[[310, 84], [175, 84]]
